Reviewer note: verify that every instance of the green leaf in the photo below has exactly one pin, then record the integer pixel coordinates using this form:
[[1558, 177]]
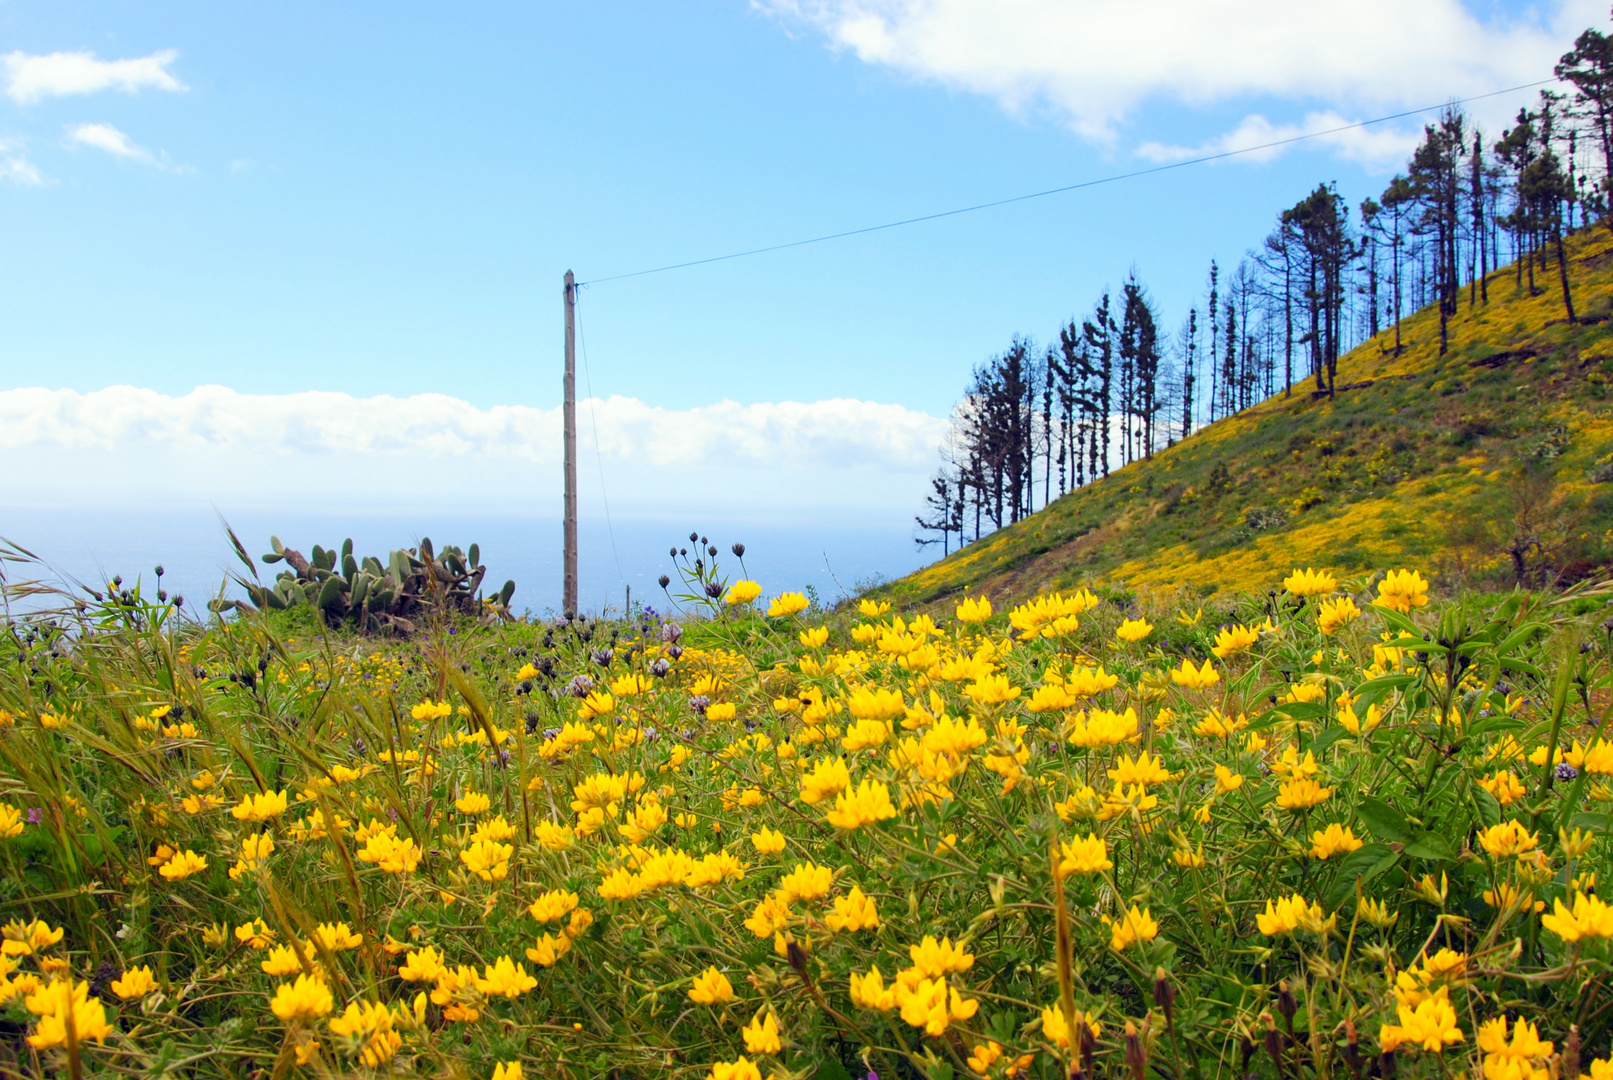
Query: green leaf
[[1384, 821], [1592, 822], [833, 1070], [1327, 738], [1366, 863], [1431, 845], [1489, 809], [1498, 722]]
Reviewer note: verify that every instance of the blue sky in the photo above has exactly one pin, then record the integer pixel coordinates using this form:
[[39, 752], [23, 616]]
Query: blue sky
[[374, 198], [380, 200]]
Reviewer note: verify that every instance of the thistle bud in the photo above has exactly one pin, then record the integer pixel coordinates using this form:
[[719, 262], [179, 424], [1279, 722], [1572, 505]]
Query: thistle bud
[[1352, 1049], [1088, 1044], [738, 550], [664, 581], [1274, 1044], [796, 955], [1386, 1065], [1571, 1052], [1136, 1054], [1286, 1004], [1164, 994]]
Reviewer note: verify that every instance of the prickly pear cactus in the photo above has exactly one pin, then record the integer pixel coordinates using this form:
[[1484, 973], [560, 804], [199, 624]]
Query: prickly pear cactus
[[375, 596]]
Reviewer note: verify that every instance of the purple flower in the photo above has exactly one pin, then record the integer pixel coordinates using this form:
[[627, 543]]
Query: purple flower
[[35, 815]]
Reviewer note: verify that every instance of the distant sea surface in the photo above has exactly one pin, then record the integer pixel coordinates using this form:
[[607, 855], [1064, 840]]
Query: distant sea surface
[[190, 544]]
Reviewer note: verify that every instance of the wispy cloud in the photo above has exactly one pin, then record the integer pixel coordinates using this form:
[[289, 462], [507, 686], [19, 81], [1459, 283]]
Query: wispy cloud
[[31, 77], [1378, 147], [112, 141], [15, 168], [1095, 62], [830, 454]]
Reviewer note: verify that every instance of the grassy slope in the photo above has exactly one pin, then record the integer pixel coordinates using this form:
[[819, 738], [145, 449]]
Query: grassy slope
[[1399, 466]]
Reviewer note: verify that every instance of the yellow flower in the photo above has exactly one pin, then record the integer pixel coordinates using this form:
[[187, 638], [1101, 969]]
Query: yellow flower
[[552, 906], [1055, 1025], [1145, 770], [1302, 793], [365, 1030], [282, 960], [1310, 582], [262, 806], [1288, 914], [768, 841], [1216, 726], [869, 991], [829, 777], [182, 866], [1431, 1025], [473, 802], [507, 1070], [770, 916], [1508, 839], [1134, 925], [742, 592], [1333, 615], [934, 959], [762, 1035], [306, 999], [11, 820], [1354, 724], [932, 1005], [973, 610], [549, 948], [787, 604], [336, 937], [711, 987], [807, 881], [1588, 918], [1402, 590], [64, 1002], [815, 638], [1134, 630], [1332, 841], [505, 978], [1195, 678], [1504, 785], [866, 735], [597, 703], [391, 854], [488, 860], [852, 912], [1233, 640], [991, 690], [984, 1056], [741, 1068], [873, 609], [871, 802], [422, 965], [428, 710], [1088, 856], [1226, 780], [135, 983], [255, 934], [720, 711]]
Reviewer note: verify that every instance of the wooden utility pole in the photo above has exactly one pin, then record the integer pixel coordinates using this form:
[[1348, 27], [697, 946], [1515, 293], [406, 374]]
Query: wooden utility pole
[[569, 411]]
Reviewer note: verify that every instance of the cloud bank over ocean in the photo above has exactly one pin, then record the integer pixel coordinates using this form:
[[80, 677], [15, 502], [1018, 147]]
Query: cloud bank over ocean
[[128, 445]]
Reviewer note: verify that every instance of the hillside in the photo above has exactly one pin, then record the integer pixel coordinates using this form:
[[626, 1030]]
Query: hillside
[[1462, 465]]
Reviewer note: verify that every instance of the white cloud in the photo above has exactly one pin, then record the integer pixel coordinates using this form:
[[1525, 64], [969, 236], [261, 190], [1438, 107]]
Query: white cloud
[[124, 441], [1095, 62], [30, 77], [1377, 147], [15, 168], [110, 139]]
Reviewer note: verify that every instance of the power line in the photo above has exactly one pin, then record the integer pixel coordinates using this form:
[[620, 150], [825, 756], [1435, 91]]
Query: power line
[[1066, 188]]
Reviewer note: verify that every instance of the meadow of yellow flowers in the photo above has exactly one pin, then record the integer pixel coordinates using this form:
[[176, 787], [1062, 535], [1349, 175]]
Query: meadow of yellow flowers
[[1339, 829]]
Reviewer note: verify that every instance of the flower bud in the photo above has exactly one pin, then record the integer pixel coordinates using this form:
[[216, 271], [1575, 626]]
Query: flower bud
[[1136, 1054], [1164, 993]]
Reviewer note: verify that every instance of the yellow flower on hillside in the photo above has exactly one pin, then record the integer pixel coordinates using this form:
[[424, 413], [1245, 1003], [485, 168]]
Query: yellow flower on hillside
[[261, 806], [828, 778], [488, 860], [741, 1068], [1508, 839], [422, 965], [61, 1003], [552, 906], [306, 999], [182, 866], [1302, 793], [1334, 840], [789, 603], [991, 690], [1310, 582], [711, 987], [1134, 630], [1084, 856], [135, 983], [1402, 590], [761, 1034], [505, 978], [933, 959], [1234, 639], [1194, 678], [1431, 1025], [1144, 770], [742, 592], [870, 992], [852, 912], [870, 802], [807, 881], [431, 710], [1589, 917], [1134, 925], [973, 610], [768, 841], [1334, 615]]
